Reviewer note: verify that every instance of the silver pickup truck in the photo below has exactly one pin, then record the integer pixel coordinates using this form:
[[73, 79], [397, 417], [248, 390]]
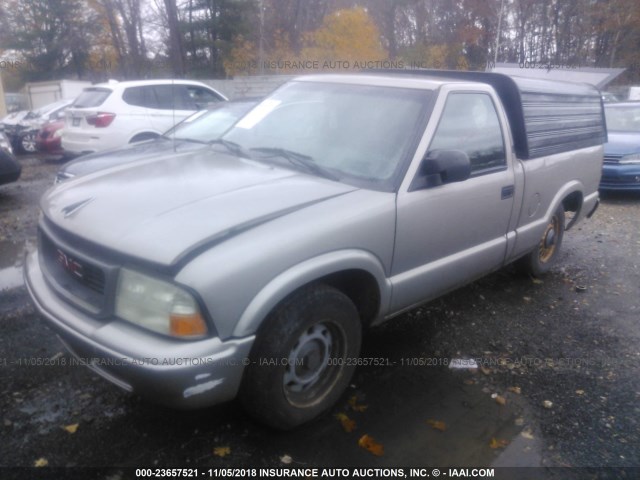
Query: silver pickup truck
[[251, 268]]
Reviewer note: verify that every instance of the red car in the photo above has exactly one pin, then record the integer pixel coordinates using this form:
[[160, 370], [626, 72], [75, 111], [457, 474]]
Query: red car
[[48, 137]]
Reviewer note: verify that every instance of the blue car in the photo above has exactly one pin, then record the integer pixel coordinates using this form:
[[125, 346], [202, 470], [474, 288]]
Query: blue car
[[621, 169]]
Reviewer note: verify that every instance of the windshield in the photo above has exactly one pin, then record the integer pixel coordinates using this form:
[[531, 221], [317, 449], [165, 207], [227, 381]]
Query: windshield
[[359, 134], [49, 108], [209, 125], [623, 119]]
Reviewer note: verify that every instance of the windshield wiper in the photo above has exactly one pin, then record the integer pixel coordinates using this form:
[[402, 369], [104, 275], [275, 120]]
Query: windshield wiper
[[182, 139], [297, 159], [235, 148]]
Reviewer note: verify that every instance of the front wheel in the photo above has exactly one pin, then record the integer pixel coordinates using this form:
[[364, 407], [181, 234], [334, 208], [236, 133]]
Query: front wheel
[[28, 142], [303, 357], [540, 260]]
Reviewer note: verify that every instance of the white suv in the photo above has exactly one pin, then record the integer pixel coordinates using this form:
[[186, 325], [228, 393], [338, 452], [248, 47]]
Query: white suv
[[113, 114]]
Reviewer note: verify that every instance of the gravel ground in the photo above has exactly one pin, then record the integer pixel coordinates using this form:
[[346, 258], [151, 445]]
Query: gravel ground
[[19, 200], [558, 383]]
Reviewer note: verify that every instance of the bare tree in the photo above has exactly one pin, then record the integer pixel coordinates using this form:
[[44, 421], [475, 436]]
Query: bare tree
[[176, 49]]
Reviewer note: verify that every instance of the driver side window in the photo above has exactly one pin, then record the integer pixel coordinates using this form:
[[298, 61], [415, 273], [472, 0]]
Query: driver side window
[[469, 122]]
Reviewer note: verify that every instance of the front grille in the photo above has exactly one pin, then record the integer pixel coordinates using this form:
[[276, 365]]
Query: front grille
[[628, 180], [614, 159], [76, 277]]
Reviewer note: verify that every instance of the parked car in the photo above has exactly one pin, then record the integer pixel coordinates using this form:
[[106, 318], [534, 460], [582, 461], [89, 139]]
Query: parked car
[[252, 268], [609, 97], [621, 168], [634, 93], [23, 134], [10, 169], [5, 144], [8, 124], [114, 114], [194, 133], [48, 138]]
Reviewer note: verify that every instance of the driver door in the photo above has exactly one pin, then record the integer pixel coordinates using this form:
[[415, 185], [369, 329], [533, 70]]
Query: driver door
[[450, 234]]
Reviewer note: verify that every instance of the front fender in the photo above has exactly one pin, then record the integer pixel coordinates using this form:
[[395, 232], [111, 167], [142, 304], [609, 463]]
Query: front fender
[[304, 273]]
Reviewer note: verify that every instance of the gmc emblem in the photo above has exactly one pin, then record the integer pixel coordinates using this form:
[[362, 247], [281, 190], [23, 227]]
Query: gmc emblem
[[69, 264]]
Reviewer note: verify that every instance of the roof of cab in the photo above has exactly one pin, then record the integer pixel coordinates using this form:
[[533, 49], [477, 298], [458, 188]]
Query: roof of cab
[[377, 79]]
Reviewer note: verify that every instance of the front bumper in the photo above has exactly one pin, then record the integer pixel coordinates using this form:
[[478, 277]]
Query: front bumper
[[620, 178], [176, 373], [81, 142]]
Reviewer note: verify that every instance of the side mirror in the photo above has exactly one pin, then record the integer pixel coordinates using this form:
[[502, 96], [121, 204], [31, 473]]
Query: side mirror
[[443, 166]]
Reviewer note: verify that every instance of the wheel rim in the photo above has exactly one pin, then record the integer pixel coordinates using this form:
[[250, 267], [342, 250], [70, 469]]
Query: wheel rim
[[548, 243], [29, 143], [309, 375]]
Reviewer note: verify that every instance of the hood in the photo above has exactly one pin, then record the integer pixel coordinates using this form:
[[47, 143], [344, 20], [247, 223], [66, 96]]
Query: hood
[[140, 151], [622, 143], [161, 210], [15, 118]]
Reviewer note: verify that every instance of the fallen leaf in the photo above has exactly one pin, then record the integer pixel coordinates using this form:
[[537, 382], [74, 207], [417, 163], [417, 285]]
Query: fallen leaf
[[469, 381], [71, 428], [526, 299], [498, 443], [438, 425], [353, 403], [41, 462], [579, 392], [485, 370], [515, 390], [286, 459], [221, 451], [527, 434], [500, 400], [347, 424], [547, 404], [537, 281], [368, 443]]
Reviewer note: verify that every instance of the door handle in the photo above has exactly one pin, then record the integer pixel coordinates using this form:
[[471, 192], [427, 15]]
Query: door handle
[[507, 192]]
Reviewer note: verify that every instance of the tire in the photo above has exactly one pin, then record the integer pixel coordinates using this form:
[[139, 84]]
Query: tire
[[540, 260], [28, 142], [317, 326]]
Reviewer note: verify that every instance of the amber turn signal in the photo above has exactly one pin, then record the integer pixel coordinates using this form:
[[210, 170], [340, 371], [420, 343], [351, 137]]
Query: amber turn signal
[[190, 325]]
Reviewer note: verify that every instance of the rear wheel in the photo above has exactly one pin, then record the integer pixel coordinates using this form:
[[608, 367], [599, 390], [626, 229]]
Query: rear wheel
[[302, 359], [540, 260]]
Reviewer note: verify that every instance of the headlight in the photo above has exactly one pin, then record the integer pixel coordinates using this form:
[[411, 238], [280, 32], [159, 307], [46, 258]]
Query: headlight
[[58, 133], [157, 305], [633, 158]]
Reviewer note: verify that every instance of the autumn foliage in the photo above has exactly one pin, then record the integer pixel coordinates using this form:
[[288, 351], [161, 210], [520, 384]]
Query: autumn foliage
[[100, 39]]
